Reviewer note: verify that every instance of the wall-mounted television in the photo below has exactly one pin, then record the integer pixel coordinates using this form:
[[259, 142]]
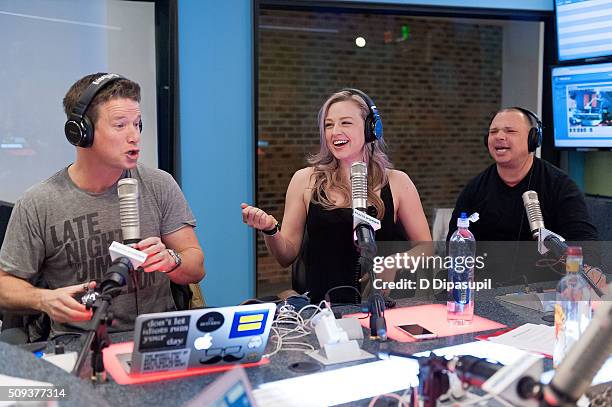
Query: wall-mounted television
[[582, 105], [584, 28]]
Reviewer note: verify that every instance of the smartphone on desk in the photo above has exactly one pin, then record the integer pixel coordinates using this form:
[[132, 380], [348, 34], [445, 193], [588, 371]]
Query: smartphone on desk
[[417, 331]]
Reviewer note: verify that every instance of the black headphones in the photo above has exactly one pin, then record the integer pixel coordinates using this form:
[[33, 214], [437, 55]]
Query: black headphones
[[78, 128], [373, 123], [534, 139]]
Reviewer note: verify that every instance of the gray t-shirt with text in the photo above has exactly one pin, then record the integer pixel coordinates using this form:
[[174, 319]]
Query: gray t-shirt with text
[[62, 233]]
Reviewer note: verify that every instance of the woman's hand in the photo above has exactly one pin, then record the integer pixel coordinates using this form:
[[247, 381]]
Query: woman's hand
[[257, 218]]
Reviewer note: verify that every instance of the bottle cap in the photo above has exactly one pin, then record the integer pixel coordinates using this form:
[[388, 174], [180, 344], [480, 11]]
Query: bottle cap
[[464, 221], [574, 259]]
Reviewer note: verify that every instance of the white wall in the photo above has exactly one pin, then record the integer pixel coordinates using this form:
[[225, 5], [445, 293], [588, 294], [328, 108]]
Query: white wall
[[523, 64]]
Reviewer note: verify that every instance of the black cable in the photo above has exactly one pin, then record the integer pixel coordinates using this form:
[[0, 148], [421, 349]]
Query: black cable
[[327, 294], [135, 282], [518, 236], [70, 335], [356, 281]]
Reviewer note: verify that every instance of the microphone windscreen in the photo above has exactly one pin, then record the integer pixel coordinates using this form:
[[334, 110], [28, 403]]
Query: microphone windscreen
[[359, 185], [534, 213], [127, 189]]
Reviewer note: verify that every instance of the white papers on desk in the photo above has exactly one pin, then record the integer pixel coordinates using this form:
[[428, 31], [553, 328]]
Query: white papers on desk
[[536, 338], [10, 381]]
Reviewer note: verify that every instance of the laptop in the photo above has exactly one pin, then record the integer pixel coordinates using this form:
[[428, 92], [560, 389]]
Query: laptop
[[178, 340]]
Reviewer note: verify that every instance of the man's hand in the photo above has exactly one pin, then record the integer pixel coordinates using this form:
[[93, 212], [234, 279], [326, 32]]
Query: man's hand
[[60, 305], [158, 258]]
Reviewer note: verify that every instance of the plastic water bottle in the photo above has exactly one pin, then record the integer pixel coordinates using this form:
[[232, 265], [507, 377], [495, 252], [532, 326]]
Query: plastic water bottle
[[462, 252], [573, 306]]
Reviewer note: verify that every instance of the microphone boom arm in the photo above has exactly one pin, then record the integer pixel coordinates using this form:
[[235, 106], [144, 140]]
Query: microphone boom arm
[[366, 246], [550, 241]]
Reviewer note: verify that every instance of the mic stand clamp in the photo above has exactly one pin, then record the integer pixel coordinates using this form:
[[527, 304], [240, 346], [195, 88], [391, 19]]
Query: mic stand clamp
[[544, 235]]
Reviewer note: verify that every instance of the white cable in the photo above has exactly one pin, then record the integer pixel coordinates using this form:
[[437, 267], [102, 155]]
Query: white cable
[[290, 325], [405, 394]]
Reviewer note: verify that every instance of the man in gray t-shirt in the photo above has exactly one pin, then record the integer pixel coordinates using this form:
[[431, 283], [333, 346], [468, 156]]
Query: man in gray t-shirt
[[60, 230]]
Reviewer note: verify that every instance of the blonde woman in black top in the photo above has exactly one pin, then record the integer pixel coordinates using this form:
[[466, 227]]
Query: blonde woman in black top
[[318, 199]]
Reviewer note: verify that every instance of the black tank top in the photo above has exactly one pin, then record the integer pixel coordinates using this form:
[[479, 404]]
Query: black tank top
[[329, 254]]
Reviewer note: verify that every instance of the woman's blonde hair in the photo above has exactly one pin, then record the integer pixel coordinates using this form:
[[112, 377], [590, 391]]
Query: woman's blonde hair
[[326, 172]]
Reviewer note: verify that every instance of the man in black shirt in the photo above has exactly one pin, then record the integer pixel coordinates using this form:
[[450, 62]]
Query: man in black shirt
[[514, 134]]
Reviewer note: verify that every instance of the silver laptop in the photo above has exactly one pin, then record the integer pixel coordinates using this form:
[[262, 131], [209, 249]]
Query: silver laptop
[[170, 341]]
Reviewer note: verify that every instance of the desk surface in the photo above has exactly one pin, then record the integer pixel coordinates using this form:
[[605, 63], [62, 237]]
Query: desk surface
[[16, 362]]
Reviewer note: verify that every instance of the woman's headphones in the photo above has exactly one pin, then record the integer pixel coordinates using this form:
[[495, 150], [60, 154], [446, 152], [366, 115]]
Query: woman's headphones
[[78, 128], [373, 123], [534, 139]]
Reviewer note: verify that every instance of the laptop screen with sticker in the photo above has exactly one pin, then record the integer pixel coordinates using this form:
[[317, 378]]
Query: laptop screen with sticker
[[248, 323], [180, 340]]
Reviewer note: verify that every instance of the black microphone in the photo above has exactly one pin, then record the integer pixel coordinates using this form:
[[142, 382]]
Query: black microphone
[[116, 276], [555, 245], [127, 189], [577, 370], [475, 371], [550, 240]]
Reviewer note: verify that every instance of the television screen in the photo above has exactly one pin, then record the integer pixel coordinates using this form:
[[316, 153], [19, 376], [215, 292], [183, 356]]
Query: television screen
[[584, 28], [582, 105]]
